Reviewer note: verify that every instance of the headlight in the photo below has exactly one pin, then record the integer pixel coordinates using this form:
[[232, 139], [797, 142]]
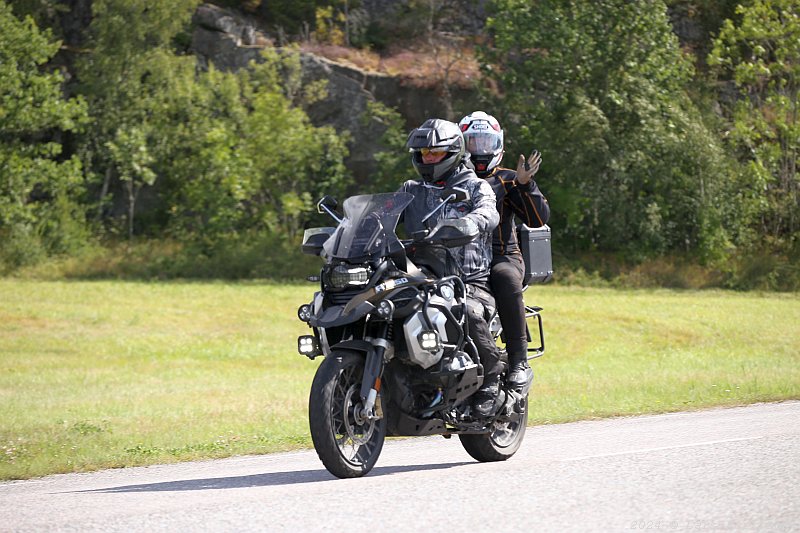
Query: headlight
[[344, 276]]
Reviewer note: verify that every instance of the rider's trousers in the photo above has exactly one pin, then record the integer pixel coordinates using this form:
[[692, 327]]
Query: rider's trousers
[[506, 282], [479, 306]]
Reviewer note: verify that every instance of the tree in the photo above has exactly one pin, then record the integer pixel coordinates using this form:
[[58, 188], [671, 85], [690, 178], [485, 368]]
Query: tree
[[760, 55], [598, 87], [296, 162], [136, 88], [38, 187], [392, 159], [251, 159], [132, 159], [447, 49], [219, 154]]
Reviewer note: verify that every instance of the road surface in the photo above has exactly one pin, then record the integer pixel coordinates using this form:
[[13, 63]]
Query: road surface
[[735, 469]]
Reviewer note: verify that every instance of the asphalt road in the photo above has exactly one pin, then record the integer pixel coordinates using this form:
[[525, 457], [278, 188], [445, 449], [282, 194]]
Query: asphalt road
[[734, 469]]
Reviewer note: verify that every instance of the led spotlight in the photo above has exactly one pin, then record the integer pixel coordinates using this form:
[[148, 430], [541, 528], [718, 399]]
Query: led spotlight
[[385, 309], [429, 340], [307, 345], [304, 313]]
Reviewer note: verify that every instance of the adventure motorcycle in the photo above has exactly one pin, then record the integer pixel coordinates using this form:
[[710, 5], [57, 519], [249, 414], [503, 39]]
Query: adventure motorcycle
[[390, 319]]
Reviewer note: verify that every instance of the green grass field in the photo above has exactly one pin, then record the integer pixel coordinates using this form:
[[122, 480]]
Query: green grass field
[[111, 374]]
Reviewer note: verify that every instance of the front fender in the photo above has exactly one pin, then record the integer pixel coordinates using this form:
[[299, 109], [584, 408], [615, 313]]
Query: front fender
[[356, 345], [335, 315]]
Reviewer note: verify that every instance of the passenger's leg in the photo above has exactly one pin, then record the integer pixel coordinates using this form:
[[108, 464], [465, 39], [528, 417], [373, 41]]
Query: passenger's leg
[[506, 281]]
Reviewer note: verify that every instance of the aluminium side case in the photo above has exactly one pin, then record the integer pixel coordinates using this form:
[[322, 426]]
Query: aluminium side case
[[536, 253]]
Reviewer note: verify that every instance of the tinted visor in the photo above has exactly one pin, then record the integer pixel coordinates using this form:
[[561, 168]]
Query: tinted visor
[[434, 152]]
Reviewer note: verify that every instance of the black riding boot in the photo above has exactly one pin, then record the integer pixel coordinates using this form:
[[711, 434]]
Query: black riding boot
[[483, 400], [519, 372]]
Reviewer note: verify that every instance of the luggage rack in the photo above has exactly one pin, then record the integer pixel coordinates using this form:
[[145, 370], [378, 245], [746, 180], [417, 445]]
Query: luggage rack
[[532, 311]]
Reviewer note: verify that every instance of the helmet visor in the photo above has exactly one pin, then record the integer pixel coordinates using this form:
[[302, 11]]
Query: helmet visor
[[483, 143], [432, 155], [434, 152]]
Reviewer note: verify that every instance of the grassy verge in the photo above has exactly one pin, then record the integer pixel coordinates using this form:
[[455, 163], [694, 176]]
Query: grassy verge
[[109, 374]]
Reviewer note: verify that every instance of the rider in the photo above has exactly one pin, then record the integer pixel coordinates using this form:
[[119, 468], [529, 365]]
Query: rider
[[437, 153], [517, 194]]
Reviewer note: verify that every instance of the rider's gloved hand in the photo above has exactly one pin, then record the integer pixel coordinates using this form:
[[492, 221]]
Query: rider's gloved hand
[[526, 169]]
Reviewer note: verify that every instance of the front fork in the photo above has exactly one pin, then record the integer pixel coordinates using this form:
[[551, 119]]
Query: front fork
[[373, 369]]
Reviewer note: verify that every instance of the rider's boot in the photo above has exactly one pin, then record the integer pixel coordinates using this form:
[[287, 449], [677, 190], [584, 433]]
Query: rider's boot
[[484, 398], [519, 372]]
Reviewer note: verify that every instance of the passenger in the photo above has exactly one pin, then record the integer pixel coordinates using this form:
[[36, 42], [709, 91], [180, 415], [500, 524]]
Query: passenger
[[517, 195]]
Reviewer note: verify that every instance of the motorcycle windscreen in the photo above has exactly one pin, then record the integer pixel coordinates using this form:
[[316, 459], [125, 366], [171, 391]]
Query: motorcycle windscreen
[[368, 227]]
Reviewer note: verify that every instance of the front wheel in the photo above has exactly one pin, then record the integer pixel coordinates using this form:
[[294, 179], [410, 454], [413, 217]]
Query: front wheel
[[502, 441], [347, 443]]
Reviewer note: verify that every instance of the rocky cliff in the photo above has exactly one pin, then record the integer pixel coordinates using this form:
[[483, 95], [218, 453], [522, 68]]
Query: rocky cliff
[[230, 40]]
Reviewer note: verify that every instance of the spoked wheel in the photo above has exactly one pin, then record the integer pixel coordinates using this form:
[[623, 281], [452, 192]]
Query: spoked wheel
[[347, 442], [502, 441]]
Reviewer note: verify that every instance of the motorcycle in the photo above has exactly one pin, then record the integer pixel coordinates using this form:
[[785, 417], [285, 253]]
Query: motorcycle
[[390, 320]]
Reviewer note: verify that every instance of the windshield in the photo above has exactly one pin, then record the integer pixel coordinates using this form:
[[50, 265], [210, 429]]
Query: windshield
[[368, 225]]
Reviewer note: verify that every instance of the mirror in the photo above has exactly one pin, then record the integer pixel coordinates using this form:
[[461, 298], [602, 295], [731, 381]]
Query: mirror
[[450, 194], [420, 235], [455, 194], [326, 201]]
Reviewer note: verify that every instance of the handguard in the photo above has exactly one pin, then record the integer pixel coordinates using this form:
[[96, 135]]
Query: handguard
[[453, 233]]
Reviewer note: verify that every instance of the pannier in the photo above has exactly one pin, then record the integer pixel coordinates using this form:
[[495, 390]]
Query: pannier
[[535, 246]]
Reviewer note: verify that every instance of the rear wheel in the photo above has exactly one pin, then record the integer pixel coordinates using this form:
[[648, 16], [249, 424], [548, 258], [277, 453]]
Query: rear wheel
[[502, 441], [347, 443]]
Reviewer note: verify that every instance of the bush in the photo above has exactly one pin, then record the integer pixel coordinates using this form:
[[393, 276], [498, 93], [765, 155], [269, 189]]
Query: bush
[[244, 257], [763, 270]]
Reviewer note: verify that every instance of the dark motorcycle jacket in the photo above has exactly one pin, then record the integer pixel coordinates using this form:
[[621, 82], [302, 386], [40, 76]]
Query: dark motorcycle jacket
[[525, 201], [474, 258]]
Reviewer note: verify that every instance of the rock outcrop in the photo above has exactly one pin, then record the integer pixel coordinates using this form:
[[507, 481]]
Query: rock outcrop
[[230, 41], [227, 39]]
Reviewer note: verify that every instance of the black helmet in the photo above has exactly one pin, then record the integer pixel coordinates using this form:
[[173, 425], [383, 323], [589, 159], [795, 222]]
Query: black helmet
[[435, 134]]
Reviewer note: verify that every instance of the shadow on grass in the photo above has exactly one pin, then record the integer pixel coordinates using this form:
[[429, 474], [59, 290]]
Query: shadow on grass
[[262, 480]]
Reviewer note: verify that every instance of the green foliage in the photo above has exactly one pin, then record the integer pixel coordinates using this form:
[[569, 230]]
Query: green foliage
[[760, 55], [137, 89], [251, 159], [393, 163], [217, 164], [289, 15], [598, 87], [38, 210], [341, 22], [225, 153], [45, 13]]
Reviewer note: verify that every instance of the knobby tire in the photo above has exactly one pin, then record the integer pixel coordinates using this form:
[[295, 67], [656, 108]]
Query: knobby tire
[[347, 446]]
